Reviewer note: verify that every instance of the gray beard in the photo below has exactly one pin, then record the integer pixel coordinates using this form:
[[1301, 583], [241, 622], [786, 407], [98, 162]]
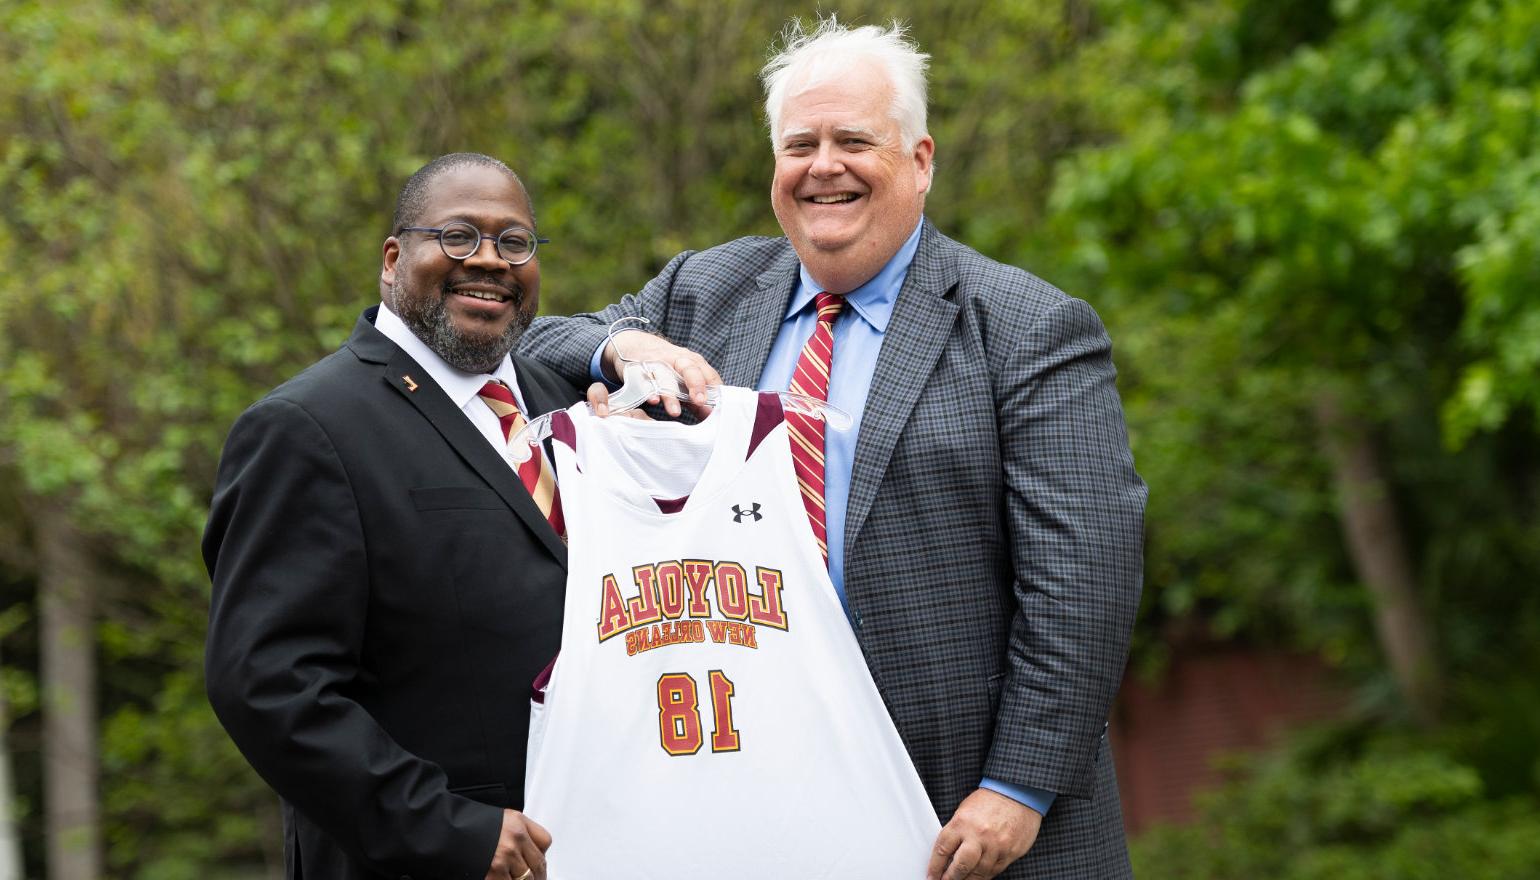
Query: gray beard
[[428, 319]]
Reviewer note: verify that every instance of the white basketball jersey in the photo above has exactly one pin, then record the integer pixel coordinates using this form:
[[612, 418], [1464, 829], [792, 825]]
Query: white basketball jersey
[[710, 714]]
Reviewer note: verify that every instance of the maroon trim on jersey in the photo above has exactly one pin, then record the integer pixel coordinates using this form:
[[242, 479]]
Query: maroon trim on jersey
[[671, 505], [562, 429], [767, 415], [542, 681]]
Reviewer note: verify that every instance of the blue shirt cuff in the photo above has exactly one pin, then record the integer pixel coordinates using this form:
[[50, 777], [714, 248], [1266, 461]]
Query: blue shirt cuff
[[595, 365], [1035, 798]]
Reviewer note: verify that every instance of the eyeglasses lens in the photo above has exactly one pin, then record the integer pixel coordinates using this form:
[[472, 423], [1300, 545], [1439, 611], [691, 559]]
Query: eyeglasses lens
[[516, 246], [460, 240]]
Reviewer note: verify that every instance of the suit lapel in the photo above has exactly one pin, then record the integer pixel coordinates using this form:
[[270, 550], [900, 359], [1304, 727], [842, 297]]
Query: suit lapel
[[917, 332], [408, 379], [757, 321]]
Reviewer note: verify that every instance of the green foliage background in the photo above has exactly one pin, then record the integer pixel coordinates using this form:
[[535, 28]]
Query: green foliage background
[[1263, 200]]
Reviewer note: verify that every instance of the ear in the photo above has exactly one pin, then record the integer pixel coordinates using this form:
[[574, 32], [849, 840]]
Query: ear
[[924, 151], [390, 257]]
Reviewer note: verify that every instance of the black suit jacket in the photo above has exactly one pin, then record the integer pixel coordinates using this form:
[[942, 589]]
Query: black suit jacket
[[384, 593]]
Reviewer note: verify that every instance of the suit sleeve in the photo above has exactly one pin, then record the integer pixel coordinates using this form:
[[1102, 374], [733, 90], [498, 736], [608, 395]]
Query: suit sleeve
[[567, 345], [1075, 514], [286, 551]]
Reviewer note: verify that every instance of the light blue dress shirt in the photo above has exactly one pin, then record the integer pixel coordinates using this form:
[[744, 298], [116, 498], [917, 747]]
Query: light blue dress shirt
[[858, 335], [857, 339]]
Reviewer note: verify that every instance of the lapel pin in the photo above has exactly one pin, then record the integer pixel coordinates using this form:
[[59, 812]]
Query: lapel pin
[[407, 381]]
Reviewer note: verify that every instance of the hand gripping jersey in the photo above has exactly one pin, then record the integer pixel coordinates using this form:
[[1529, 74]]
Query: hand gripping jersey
[[710, 713]]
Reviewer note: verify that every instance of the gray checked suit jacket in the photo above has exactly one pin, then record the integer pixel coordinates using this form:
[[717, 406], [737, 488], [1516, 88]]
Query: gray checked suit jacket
[[995, 524]]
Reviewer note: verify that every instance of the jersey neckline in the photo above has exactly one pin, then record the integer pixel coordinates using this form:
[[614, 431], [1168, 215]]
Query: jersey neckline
[[733, 421]]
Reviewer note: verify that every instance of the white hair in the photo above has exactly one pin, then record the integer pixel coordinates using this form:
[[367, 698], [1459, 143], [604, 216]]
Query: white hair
[[832, 50]]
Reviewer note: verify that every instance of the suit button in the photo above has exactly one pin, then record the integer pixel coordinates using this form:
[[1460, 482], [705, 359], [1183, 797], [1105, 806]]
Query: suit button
[[856, 615]]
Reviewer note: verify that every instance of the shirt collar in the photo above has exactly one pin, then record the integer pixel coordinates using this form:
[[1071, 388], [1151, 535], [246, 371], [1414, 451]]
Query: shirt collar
[[461, 386], [874, 300]]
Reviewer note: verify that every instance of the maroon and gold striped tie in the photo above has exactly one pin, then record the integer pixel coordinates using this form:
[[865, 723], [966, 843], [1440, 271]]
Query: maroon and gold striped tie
[[535, 474], [812, 379]]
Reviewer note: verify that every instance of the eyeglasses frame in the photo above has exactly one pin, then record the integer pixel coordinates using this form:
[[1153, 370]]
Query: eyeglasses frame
[[438, 233]]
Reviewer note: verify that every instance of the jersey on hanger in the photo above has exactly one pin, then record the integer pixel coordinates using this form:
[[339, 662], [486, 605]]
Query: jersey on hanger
[[710, 713]]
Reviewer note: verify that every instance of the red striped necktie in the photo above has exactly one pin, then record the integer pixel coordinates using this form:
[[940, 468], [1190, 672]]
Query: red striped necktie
[[807, 434], [535, 474]]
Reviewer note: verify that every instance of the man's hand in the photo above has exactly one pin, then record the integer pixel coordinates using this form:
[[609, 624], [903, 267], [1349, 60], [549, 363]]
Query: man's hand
[[988, 832], [637, 345], [520, 853]]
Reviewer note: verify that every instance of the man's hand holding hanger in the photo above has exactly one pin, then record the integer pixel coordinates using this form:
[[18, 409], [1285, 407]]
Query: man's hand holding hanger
[[639, 345]]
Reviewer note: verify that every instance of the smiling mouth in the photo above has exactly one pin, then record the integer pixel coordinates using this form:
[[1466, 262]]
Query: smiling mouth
[[836, 199], [495, 296]]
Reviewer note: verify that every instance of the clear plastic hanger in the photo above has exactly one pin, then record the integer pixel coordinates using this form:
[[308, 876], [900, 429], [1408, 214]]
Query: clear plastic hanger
[[644, 380]]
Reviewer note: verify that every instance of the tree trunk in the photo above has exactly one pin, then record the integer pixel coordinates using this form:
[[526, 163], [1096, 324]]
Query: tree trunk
[[10, 843], [1378, 549], [66, 589]]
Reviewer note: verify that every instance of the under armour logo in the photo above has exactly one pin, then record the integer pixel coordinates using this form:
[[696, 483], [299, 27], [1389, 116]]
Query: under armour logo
[[739, 513]]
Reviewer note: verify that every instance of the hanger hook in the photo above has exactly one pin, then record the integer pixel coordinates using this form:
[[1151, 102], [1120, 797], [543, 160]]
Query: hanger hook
[[616, 330]]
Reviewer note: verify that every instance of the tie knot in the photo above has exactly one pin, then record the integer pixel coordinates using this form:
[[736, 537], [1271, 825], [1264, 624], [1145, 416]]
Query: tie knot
[[829, 305], [495, 392]]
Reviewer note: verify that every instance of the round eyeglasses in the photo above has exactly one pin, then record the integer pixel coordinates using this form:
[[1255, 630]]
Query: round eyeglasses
[[516, 245]]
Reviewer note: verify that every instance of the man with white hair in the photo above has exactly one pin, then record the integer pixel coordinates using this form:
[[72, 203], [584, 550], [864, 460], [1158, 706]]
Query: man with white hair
[[982, 520]]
